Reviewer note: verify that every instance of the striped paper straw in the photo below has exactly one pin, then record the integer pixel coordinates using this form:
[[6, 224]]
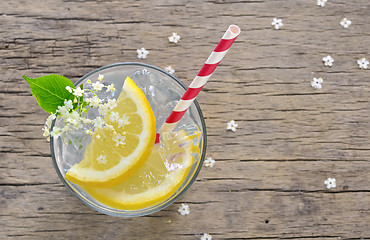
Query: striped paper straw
[[200, 80]]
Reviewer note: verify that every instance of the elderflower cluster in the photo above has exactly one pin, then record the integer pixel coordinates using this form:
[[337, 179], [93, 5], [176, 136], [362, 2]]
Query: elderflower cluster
[[74, 113]]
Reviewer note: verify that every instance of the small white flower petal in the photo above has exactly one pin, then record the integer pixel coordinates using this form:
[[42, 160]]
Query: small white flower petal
[[98, 86], [363, 63], [46, 132], [206, 236], [119, 139], [56, 132], [112, 103], [184, 209], [78, 92], [111, 88], [102, 159], [142, 53], [345, 22], [321, 3], [277, 23], [174, 38], [317, 83], [123, 121], [330, 183], [69, 89], [169, 69], [94, 101], [98, 122], [328, 60], [209, 162], [114, 116], [232, 125], [68, 104], [50, 119]]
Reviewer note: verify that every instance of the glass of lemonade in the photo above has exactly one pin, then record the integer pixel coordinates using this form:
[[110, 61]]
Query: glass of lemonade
[[171, 168]]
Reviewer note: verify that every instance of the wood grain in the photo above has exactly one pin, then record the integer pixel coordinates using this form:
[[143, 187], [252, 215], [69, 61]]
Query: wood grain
[[268, 179]]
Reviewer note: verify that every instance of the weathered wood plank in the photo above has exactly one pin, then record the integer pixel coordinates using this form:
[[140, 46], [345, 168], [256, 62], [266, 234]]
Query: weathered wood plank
[[250, 214]]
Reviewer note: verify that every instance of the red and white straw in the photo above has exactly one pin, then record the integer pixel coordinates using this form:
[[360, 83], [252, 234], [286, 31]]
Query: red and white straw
[[200, 80]]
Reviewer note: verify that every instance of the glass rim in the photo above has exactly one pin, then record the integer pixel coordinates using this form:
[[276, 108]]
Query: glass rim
[[157, 207]]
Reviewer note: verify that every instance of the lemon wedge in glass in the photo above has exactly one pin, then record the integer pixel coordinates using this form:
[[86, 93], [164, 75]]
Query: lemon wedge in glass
[[115, 154]]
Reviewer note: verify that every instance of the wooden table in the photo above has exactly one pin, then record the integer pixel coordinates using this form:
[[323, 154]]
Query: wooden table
[[268, 180]]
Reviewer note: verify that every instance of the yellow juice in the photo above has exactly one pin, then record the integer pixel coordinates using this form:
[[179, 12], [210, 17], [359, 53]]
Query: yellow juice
[[157, 180]]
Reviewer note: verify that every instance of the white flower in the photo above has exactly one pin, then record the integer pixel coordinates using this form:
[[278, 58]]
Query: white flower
[[277, 23], [57, 131], [66, 128], [98, 86], [109, 127], [103, 109], [170, 69], [102, 159], [88, 81], [50, 119], [86, 120], [89, 132], [101, 77], [317, 83], [111, 88], [141, 53], [123, 121], [63, 111], [120, 140], [112, 103], [174, 38], [114, 116], [330, 183], [209, 162], [46, 132], [206, 236], [232, 125], [321, 3], [68, 104], [78, 92], [75, 115], [94, 101], [69, 89], [328, 60], [98, 122], [184, 209], [345, 22], [362, 63], [74, 119], [78, 125]]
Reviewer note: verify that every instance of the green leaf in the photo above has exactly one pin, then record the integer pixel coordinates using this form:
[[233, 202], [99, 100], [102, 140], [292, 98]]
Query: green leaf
[[50, 91]]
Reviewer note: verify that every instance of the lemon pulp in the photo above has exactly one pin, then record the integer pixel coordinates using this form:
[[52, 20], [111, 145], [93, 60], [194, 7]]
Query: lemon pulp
[[156, 181], [114, 154]]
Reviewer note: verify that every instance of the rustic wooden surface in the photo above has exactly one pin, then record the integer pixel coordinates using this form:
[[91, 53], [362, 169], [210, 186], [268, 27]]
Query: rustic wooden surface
[[268, 179]]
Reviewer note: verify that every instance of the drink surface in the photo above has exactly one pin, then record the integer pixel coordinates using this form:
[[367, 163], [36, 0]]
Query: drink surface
[[171, 164], [162, 174]]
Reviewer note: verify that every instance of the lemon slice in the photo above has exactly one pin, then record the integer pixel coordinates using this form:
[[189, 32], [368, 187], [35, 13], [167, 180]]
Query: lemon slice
[[114, 154], [154, 182]]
